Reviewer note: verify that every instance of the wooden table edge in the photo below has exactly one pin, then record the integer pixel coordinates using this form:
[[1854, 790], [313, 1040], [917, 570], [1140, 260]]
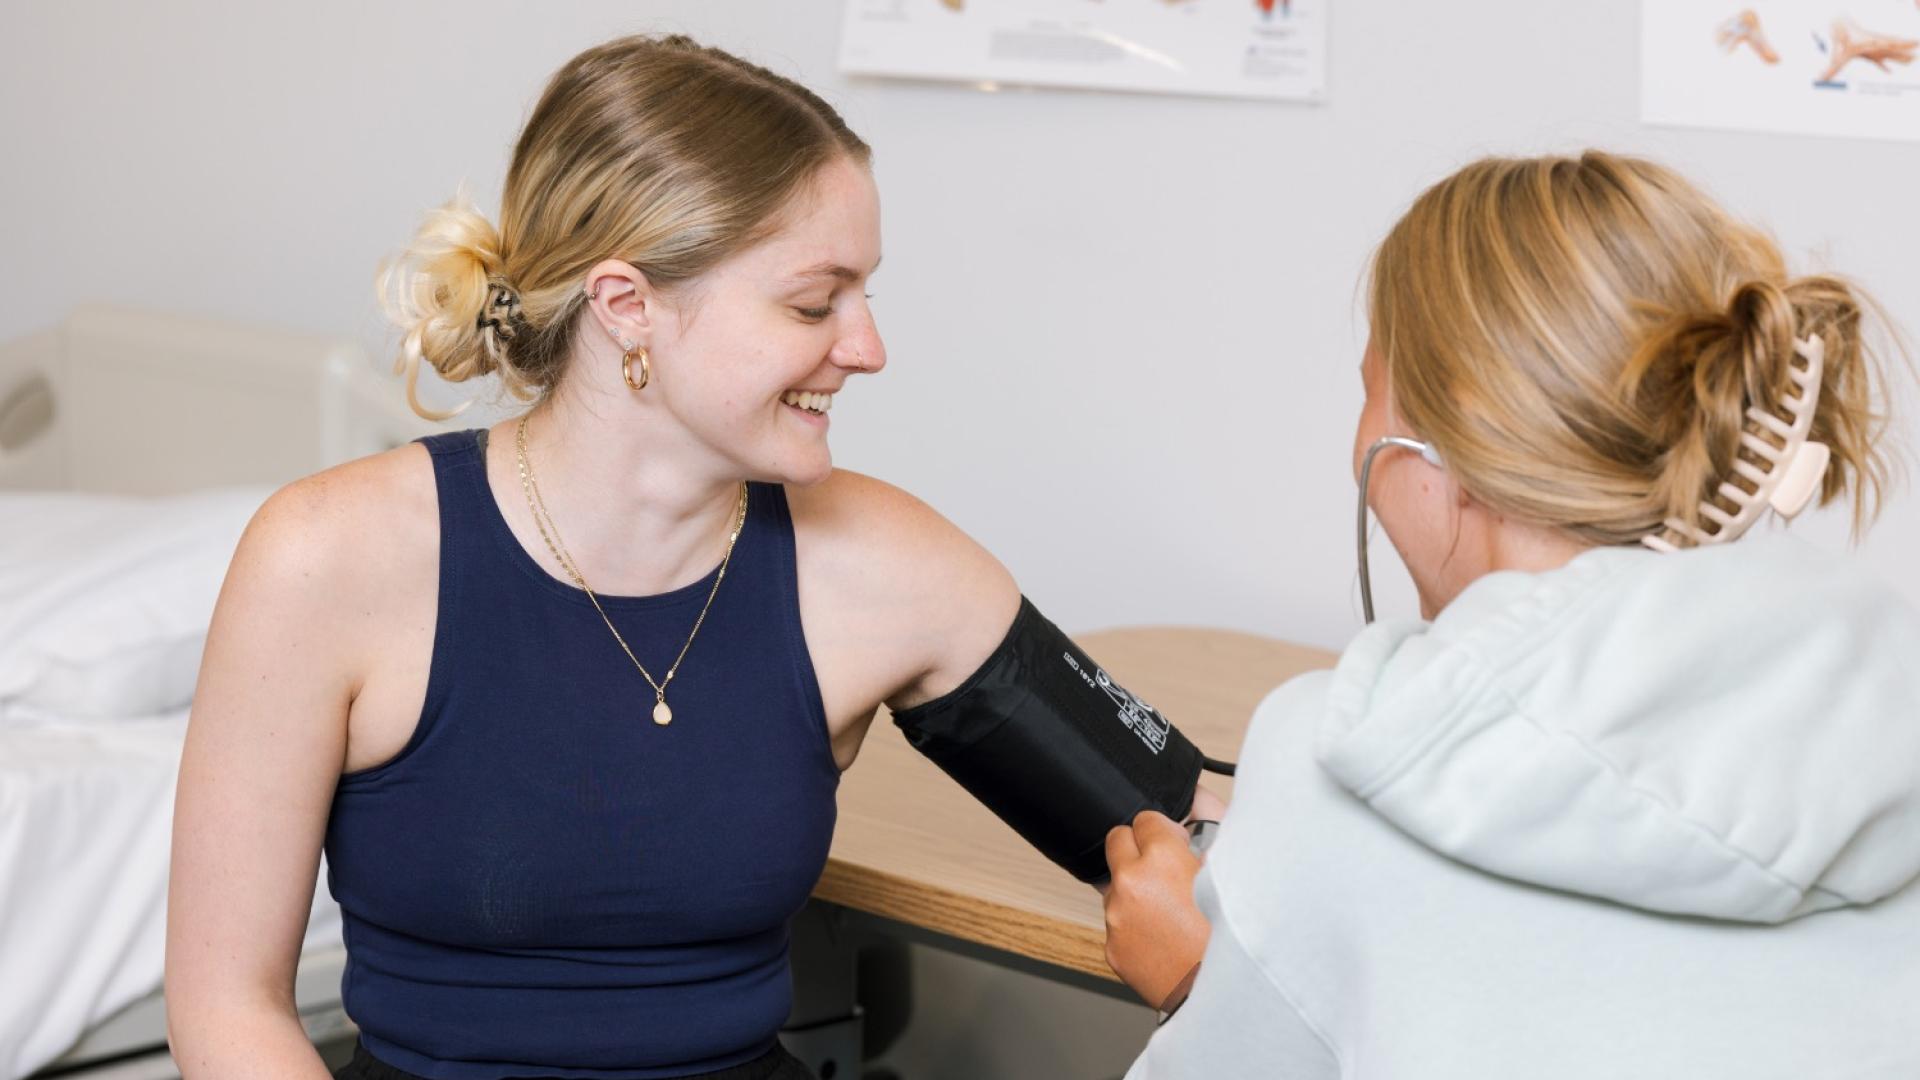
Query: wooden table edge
[[969, 918]]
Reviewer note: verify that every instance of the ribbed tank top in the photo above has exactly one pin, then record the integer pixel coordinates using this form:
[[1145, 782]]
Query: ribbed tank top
[[543, 881]]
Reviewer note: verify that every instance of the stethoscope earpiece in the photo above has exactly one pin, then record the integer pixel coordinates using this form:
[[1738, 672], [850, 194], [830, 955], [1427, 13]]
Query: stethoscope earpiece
[[1430, 456]]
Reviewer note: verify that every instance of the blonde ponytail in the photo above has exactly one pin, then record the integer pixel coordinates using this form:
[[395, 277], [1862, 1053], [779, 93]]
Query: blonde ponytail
[[1581, 339]]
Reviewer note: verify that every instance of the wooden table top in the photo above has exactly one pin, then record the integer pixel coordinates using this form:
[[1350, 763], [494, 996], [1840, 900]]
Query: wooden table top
[[913, 847]]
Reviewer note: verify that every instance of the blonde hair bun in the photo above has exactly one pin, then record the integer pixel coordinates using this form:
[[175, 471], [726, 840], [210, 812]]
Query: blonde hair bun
[[443, 292]]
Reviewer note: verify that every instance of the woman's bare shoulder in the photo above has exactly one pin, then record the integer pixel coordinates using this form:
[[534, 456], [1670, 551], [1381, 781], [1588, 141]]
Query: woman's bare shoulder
[[870, 526], [888, 568], [347, 533]]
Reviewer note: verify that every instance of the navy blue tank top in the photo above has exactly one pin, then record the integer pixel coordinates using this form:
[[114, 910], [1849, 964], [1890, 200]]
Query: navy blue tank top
[[545, 882]]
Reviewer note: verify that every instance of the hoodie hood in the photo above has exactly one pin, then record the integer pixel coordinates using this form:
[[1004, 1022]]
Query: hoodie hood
[[1727, 732]]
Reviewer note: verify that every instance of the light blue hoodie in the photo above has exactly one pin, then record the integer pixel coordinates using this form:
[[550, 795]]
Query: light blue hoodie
[[1641, 816]]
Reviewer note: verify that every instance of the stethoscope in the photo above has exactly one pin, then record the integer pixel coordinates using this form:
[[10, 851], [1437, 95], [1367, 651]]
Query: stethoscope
[[1399, 442], [1201, 831]]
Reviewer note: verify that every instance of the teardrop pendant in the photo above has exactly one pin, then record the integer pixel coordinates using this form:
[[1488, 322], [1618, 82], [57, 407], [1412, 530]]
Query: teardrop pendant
[[662, 715]]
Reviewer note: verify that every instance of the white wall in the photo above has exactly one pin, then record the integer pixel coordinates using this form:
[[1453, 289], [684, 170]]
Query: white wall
[[1124, 329]]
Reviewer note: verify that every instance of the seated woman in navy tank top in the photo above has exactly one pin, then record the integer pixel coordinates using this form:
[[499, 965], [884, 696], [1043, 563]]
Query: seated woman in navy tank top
[[566, 701]]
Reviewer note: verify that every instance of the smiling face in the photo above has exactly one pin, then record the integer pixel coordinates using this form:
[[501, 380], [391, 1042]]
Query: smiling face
[[747, 358]]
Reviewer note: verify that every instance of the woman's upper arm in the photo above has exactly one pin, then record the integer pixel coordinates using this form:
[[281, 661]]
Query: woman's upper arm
[[263, 751], [908, 589]]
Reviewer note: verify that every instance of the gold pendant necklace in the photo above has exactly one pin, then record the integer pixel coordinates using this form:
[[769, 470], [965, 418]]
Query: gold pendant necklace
[[549, 532]]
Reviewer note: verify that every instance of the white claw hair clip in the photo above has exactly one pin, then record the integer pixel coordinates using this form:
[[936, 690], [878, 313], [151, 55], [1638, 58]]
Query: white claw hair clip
[[1792, 471]]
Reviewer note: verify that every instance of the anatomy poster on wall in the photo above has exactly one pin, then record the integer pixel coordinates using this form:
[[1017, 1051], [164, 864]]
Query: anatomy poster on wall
[[1814, 67], [1234, 48]]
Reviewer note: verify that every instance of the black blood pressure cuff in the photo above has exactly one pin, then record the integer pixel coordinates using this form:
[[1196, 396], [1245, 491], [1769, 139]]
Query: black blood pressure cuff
[[1055, 747]]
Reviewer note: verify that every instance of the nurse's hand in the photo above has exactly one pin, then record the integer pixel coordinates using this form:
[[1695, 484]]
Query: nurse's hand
[[1155, 932]]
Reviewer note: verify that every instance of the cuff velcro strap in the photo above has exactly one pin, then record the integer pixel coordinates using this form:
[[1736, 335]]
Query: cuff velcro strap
[[1054, 747]]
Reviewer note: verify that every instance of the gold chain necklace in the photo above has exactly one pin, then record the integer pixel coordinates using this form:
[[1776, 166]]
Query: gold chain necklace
[[543, 520]]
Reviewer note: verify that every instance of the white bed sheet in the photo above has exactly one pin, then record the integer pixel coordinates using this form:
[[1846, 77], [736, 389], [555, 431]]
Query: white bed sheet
[[86, 815]]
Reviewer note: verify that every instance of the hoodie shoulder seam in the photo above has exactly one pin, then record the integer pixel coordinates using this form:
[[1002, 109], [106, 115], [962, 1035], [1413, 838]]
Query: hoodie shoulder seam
[[1259, 963], [1667, 808]]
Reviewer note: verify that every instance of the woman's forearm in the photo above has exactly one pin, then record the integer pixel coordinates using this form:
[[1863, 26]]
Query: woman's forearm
[[241, 1042]]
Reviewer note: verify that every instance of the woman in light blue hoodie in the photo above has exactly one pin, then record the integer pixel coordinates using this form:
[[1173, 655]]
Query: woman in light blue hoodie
[[1635, 800]]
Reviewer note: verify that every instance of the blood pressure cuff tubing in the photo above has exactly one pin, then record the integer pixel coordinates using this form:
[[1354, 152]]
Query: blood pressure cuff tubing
[[1055, 747]]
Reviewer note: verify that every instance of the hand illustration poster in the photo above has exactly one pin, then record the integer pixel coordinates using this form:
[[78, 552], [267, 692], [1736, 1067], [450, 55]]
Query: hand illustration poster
[[1814, 67]]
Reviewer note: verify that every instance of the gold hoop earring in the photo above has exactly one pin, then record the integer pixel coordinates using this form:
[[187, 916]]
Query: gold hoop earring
[[626, 368]]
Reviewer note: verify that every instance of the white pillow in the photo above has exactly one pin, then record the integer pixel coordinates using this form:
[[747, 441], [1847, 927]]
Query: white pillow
[[105, 600]]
